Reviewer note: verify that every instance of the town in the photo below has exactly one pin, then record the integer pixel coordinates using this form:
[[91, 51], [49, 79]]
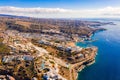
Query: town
[[44, 54]]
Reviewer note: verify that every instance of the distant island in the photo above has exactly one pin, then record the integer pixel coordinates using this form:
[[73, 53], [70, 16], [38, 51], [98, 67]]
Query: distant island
[[43, 49]]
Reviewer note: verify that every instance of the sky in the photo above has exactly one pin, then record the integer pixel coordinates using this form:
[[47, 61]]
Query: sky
[[62, 8]]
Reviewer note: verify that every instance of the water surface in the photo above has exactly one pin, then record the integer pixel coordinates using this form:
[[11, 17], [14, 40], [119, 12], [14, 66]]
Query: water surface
[[107, 65]]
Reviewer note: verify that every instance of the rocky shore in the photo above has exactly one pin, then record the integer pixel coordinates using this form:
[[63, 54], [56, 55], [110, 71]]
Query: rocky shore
[[77, 67]]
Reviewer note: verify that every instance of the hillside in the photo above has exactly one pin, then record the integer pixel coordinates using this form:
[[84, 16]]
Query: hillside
[[28, 24]]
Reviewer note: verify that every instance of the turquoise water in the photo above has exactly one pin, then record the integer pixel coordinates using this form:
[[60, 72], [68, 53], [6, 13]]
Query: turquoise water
[[107, 65]]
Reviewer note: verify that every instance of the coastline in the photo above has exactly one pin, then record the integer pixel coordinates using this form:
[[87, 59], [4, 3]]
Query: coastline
[[104, 50], [93, 61], [78, 67], [83, 67]]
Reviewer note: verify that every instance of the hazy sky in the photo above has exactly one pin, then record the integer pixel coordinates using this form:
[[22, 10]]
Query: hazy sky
[[61, 8]]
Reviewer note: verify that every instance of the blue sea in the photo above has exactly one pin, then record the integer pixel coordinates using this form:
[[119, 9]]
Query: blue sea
[[107, 65]]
